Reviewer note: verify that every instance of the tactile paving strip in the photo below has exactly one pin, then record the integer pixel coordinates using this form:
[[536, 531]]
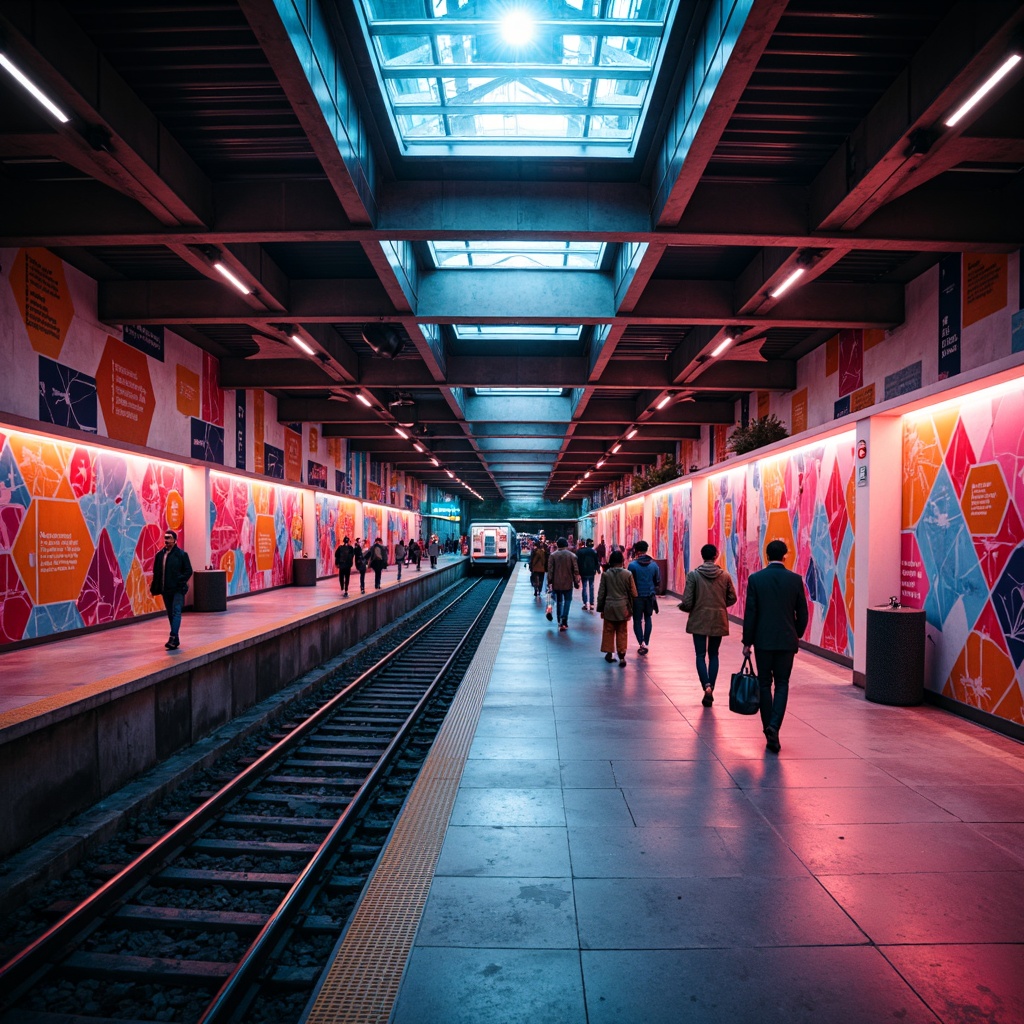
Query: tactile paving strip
[[362, 982]]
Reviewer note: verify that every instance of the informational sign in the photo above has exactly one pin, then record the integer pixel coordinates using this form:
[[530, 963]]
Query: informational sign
[[292, 456], [149, 340], [316, 474], [984, 285], [273, 461], [862, 398], [902, 382], [240, 434], [125, 392], [450, 510], [67, 398], [186, 390], [851, 361], [207, 442], [41, 292], [798, 417], [949, 316]]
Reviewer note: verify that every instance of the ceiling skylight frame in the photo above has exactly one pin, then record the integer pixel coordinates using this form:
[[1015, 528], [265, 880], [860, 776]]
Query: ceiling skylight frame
[[517, 255], [453, 87], [517, 332]]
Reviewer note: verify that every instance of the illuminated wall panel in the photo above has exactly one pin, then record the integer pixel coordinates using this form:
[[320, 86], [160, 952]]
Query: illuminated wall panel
[[963, 546], [335, 519], [79, 528]]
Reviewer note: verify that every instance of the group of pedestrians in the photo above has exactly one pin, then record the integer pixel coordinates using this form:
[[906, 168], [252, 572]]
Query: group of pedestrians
[[774, 618], [350, 556]]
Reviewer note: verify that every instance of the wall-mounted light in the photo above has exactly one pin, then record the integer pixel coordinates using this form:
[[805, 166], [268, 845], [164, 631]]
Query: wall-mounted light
[[231, 279], [987, 86], [26, 83]]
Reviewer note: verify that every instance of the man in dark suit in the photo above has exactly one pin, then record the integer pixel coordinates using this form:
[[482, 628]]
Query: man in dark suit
[[774, 619]]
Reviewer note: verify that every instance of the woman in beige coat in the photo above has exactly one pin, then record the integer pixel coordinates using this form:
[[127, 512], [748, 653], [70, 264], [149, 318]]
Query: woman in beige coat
[[615, 604], [708, 593]]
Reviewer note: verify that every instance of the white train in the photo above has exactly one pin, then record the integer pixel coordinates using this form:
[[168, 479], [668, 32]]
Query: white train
[[493, 548]]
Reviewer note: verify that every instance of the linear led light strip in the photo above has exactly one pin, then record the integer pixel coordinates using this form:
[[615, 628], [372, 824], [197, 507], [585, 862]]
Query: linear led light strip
[[990, 83], [34, 89]]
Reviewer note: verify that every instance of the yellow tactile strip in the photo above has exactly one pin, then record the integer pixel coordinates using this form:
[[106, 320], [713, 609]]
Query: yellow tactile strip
[[362, 983]]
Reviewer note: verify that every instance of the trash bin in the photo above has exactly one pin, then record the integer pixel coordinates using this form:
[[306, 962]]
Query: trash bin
[[209, 590], [894, 656], [662, 564], [304, 572]]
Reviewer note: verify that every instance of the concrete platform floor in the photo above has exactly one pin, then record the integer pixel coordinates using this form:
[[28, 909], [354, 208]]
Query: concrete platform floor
[[618, 853], [37, 679]]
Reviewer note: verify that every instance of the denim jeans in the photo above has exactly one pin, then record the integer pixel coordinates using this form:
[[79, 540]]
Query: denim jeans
[[563, 598], [588, 588], [174, 603], [643, 618], [707, 671]]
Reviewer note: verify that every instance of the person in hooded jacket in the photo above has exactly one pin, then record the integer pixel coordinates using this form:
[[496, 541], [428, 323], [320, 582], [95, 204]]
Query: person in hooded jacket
[[344, 555], [538, 566], [615, 597], [378, 559], [360, 564], [709, 591], [648, 580]]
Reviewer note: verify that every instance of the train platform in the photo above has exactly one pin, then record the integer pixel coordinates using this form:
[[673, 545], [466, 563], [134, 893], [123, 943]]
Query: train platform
[[587, 843], [81, 716]]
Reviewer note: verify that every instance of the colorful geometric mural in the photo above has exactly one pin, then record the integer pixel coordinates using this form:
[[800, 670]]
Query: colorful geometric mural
[[670, 532], [607, 527], [963, 546], [79, 528], [335, 520], [634, 523], [805, 498], [255, 532]]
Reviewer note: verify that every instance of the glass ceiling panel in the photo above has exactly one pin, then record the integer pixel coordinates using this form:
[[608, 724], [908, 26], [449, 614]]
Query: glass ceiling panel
[[524, 332], [517, 255], [519, 393], [480, 77]]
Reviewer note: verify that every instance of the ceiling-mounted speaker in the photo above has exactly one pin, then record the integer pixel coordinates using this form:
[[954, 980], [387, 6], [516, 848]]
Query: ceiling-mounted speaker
[[385, 341]]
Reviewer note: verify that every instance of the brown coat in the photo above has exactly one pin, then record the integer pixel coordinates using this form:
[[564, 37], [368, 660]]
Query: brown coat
[[706, 600], [563, 572], [615, 595]]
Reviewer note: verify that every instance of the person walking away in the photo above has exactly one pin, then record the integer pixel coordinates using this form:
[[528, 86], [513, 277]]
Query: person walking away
[[359, 560], [378, 560], [602, 553], [648, 580], [415, 553], [344, 555], [538, 566], [709, 591], [564, 577], [433, 550], [586, 558], [615, 597], [774, 619], [171, 573], [400, 556]]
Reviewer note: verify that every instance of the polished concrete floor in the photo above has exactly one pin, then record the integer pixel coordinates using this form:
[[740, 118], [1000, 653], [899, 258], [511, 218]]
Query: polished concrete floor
[[619, 853]]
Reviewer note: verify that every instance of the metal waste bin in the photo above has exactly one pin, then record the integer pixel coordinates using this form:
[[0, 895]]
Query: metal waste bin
[[304, 572], [209, 590], [894, 656]]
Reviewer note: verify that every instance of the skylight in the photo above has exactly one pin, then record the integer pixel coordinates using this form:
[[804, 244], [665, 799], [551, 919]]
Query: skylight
[[522, 332], [510, 255], [519, 392], [526, 76]]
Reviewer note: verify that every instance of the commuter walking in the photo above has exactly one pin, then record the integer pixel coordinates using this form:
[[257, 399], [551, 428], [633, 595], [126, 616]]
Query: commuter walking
[[171, 573], [538, 566], [344, 555], [709, 591], [378, 560], [602, 552], [564, 577], [586, 558], [360, 563], [615, 597], [648, 580], [415, 553], [433, 550], [400, 554], [774, 619]]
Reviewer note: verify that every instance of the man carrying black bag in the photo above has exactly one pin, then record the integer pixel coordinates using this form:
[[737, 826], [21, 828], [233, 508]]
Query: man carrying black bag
[[774, 619]]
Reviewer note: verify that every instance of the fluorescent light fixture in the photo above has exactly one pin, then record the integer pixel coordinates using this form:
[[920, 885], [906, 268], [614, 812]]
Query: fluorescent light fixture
[[362, 398], [798, 273], [721, 347], [38, 93], [228, 276], [601, 463], [664, 402], [299, 343], [587, 474], [435, 462], [990, 83], [401, 433], [450, 474], [631, 434], [616, 448], [417, 446]]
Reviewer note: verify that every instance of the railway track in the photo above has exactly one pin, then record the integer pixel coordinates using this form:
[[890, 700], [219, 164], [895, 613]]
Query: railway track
[[232, 913]]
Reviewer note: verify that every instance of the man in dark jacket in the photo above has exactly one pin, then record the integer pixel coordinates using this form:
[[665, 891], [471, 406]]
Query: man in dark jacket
[[648, 580], [344, 555], [589, 565], [378, 560], [774, 619], [171, 573]]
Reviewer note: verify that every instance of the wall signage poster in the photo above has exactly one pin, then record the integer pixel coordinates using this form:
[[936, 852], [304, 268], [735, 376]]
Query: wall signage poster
[[240, 438], [146, 339], [949, 316]]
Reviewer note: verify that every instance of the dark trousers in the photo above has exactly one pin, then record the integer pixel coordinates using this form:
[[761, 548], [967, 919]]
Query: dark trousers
[[174, 605], [537, 579], [707, 647], [362, 580], [343, 577], [563, 600], [773, 666], [643, 618], [376, 577]]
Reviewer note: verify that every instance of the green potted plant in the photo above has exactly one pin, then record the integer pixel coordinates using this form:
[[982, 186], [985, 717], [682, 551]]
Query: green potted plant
[[756, 434]]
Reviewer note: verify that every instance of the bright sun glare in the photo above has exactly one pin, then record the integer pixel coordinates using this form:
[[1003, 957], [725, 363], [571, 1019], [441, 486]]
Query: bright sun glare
[[517, 28]]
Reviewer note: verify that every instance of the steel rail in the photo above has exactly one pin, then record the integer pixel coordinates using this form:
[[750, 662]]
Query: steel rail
[[226, 1000], [45, 948]]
